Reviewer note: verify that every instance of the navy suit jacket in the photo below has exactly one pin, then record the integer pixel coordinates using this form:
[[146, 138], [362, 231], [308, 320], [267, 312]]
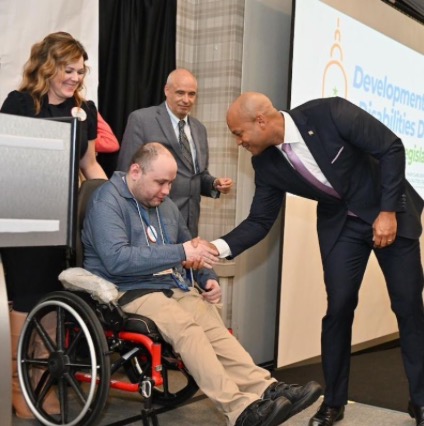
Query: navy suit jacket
[[153, 124], [362, 159]]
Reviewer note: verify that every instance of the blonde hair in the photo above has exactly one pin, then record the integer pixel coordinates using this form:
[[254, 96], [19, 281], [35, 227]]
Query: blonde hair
[[47, 59]]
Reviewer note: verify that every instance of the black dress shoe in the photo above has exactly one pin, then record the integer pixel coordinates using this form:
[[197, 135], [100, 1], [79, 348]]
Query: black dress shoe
[[300, 397], [327, 416], [417, 413], [265, 412]]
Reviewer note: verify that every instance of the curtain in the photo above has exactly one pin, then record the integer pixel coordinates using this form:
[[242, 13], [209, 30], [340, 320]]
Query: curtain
[[137, 45]]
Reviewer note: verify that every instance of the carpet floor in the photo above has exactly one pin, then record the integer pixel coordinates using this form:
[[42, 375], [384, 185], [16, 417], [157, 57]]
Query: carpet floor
[[378, 389], [377, 377]]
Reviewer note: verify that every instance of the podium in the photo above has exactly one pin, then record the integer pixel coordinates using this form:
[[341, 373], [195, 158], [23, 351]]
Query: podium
[[38, 193]]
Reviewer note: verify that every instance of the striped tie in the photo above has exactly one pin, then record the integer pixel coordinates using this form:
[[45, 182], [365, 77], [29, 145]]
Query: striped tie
[[185, 144]]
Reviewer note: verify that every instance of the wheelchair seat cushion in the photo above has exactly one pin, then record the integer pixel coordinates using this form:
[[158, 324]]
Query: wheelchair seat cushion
[[79, 279]]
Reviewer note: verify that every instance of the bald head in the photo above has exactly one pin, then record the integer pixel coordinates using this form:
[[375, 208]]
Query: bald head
[[250, 104], [180, 74], [255, 122]]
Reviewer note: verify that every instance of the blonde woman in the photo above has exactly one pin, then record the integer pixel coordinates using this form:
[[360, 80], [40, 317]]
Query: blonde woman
[[52, 84]]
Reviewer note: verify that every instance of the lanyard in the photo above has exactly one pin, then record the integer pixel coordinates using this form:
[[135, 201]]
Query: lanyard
[[150, 233]]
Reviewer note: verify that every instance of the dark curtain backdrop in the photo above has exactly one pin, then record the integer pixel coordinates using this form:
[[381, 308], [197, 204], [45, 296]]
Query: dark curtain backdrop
[[136, 54]]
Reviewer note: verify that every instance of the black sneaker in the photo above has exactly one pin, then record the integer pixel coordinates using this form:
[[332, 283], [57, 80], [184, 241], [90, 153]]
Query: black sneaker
[[300, 397], [265, 412]]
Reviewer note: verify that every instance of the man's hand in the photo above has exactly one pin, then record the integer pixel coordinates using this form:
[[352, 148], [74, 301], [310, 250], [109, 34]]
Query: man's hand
[[212, 293], [196, 241], [199, 255], [223, 184], [384, 229]]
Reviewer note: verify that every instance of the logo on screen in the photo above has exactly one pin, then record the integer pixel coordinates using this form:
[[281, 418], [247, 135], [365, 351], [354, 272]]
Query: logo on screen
[[334, 80]]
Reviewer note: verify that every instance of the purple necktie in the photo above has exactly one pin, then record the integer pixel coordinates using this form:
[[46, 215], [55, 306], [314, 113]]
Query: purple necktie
[[305, 173]]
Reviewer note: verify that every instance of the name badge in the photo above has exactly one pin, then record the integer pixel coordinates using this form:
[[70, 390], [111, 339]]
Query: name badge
[[165, 272]]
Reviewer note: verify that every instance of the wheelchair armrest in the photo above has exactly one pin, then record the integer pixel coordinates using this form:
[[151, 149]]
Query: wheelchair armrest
[[79, 279]]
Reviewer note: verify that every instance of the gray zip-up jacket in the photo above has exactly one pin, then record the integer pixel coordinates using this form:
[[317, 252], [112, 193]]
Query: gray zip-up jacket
[[116, 246]]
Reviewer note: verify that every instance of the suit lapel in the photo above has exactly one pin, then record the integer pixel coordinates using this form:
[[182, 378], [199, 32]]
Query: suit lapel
[[164, 122], [274, 169], [316, 147]]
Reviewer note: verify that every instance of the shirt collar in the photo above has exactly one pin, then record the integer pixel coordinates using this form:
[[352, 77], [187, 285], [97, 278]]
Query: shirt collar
[[174, 119], [291, 132]]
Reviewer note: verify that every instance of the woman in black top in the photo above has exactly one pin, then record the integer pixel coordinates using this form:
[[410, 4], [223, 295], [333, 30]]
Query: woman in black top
[[51, 86]]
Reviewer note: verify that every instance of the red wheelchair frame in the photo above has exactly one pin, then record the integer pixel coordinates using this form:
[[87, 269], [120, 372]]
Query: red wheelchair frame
[[93, 340]]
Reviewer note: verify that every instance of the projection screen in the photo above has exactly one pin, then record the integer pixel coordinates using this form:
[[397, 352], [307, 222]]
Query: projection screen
[[371, 54]]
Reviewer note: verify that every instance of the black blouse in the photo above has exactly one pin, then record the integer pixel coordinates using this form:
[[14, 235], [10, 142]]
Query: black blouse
[[21, 103]]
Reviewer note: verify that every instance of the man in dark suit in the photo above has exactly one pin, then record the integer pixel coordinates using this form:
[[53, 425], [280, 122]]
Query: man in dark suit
[[355, 170], [189, 145]]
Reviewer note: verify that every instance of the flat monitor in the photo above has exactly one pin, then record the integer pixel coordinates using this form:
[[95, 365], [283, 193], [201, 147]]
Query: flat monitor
[[38, 181]]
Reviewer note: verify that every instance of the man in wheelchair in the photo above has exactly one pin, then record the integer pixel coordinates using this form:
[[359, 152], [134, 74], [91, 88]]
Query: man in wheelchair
[[135, 237]]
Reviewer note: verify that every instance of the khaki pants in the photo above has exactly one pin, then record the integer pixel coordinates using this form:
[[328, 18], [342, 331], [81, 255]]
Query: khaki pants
[[223, 370]]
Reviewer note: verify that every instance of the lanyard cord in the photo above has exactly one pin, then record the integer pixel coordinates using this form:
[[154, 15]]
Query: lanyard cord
[[144, 219], [146, 223]]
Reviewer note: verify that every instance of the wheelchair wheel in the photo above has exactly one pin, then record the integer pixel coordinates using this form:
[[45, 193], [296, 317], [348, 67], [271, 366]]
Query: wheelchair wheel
[[63, 352], [178, 385]]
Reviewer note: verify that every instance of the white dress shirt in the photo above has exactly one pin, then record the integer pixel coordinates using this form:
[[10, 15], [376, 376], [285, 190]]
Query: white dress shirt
[[298, 145]]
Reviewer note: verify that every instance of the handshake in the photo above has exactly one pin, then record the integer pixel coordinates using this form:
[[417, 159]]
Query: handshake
[[200, 254]]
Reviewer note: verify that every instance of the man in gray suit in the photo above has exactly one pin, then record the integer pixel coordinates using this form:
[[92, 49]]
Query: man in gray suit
[[169, 123]]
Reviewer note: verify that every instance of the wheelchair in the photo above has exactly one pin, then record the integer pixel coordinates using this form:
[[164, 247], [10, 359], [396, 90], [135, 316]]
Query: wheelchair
[[92, 343]]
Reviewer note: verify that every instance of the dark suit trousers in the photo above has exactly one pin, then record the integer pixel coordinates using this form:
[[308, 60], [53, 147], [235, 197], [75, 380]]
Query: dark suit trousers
[[343, 271]]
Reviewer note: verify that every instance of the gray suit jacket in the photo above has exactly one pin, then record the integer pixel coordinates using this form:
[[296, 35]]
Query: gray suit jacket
[[153, 124]]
